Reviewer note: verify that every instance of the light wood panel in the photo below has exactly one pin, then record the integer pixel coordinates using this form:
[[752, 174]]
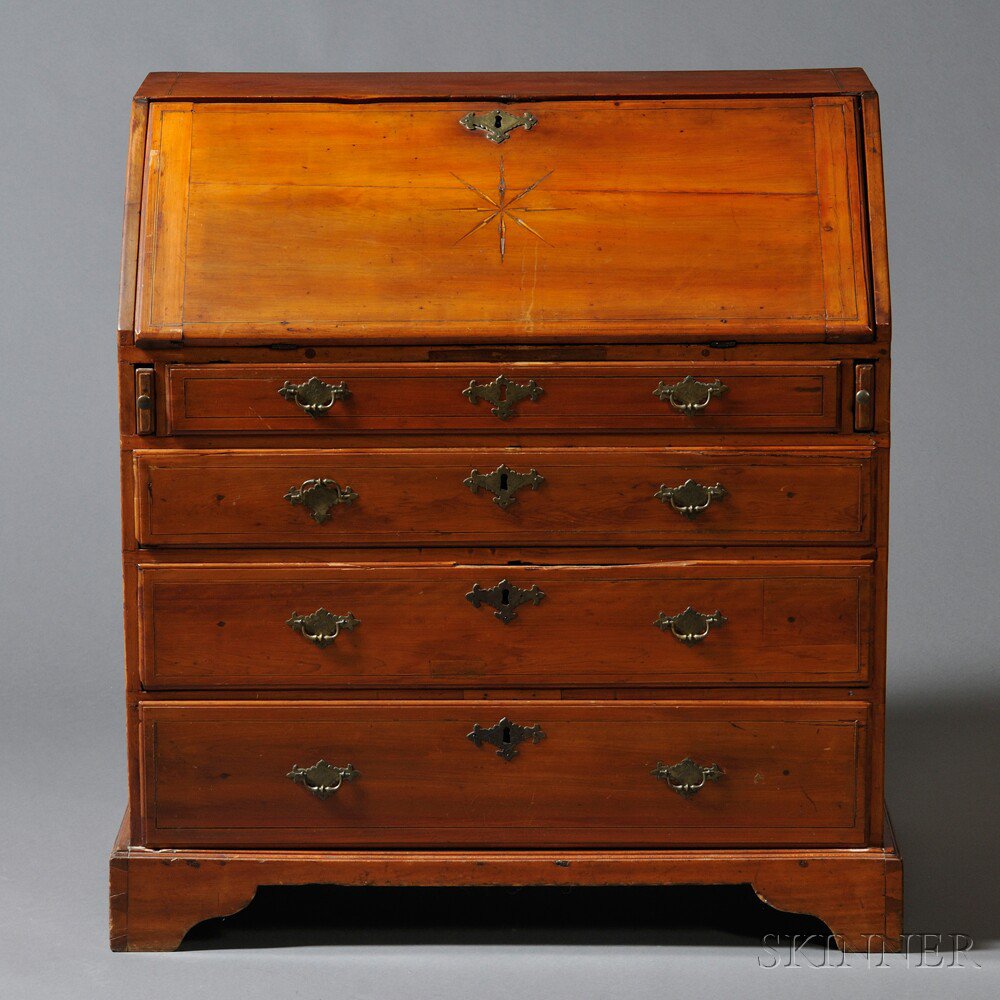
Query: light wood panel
[[624, 221]]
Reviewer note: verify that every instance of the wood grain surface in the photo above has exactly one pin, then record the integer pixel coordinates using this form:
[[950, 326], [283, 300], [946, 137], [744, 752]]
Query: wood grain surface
[[637, 220], [650, 226], [245, 399], [217, 774], [786, 623], [416, 496]]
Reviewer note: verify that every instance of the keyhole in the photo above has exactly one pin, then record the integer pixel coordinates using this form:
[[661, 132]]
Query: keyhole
[[503, 481], [497, 121], [506, 734], [505, 595]]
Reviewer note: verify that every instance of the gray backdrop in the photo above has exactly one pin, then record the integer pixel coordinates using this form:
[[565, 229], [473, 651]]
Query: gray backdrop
[[68, 73]]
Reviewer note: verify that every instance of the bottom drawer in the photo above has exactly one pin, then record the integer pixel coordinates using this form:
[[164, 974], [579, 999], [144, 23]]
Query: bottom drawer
[[224, 774]]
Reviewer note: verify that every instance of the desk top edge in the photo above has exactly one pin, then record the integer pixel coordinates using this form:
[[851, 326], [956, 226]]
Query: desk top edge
[[191, 86]]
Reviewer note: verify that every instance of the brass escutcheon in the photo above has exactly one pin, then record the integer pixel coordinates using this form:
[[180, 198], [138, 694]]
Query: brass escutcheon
[[498, 123], [505, 736], [504, 483], [503, 393], [505, 598]]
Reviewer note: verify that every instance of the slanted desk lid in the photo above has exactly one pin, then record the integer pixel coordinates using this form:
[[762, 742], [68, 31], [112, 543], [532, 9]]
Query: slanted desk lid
[[607, 220]]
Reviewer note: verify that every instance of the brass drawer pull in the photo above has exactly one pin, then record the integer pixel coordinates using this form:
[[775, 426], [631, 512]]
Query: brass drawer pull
[[690, 498], [687, 777], [505, 736], [314, 396], [689, 395], [322, 627], [503, 483], [503, 394], [320, 496], [322, 779], [497, 124], [864, 399], [689, 626], [145, 401], [505, 598]]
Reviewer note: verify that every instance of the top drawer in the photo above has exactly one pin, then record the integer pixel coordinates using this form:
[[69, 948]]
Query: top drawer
[[631, 397], [631, 220]]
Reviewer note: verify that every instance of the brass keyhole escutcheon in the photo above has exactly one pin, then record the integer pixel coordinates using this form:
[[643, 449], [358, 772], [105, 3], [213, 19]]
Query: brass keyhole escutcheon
[[503, 395], [497, 124], [503, 483], [505, 598], [506, 736]]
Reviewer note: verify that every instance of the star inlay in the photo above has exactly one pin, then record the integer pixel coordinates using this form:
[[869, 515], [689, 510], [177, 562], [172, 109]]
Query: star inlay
[[503, 209]]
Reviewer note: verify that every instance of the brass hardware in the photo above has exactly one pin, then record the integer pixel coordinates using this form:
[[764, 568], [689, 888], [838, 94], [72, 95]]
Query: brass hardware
[[687, 777], [689, 395], [314, 396], [497, 124], [322, 627], [504, 598], [145, 401], [320, 496], [689, 626], [505, 736], [503, 394], [322, 779], [690, 498], [864, 397], [504, 483]]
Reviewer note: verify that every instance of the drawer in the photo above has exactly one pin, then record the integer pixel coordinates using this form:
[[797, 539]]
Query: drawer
[[625, 220], [503, 496], [444, 398], [317, 626], [784, 772]]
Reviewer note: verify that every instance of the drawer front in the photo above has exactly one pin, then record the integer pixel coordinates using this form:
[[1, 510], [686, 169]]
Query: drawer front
[[790, 772], [632, 397], [317, 626], [620, 221], [552, 496]]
